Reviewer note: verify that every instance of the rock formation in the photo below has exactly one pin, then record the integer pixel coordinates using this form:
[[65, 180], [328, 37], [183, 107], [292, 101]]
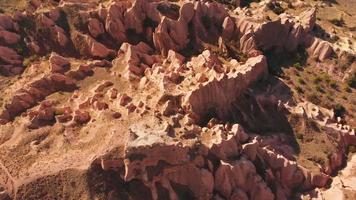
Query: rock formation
[[157, 100]]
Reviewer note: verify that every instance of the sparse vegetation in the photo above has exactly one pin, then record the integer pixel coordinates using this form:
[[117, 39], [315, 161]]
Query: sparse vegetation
[[338, 22], [29, 60], [351, 82]]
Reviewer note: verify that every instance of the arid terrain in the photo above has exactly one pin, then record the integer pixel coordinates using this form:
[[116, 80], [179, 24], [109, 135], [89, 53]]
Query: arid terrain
[[150, 99]]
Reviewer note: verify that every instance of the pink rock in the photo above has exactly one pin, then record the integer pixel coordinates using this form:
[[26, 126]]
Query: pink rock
[[241, 174], [320, 49], [308, 19], [125, 99]]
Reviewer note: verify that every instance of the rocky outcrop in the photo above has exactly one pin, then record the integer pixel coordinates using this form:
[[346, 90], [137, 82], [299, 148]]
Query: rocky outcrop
[[240, 180], [58, 63], [216, 92], [90, 47], [10, 61], [320, 49], [137, 57]]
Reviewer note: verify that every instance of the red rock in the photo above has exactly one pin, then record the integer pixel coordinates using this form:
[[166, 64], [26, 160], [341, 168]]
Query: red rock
[[90, 47], [137, 57], [7, 23], [9, 56], [95, 27], [116, 115], [58, 63], [101, 105], [228, 29], [9, 37], [81, 117], [114, 22], [125, 99], [320, 49]]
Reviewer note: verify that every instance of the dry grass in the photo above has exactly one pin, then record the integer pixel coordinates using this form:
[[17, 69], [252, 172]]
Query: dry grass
[[10, 6]]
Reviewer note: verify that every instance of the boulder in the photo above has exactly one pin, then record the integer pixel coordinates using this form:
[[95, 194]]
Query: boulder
[[308, 19], [9, 38], [10, 56], [320, 49], [114, 23], [95, 27], [58, 63]]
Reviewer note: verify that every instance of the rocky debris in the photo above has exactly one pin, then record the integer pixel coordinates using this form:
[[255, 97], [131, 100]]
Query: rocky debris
[[58, 63], [88, 46], [125, 99], [45, 115], [34, 93], [81, 117], [208, 60], [137, 57]]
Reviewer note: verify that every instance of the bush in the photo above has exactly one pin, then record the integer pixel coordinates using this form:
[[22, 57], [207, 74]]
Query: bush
[[299, 90], [301, 81], [27, 61], [313, 98], [339, 110], [298, 66], [351, 82], [333, 85], [299, 136], [338, 22], [319, 89]]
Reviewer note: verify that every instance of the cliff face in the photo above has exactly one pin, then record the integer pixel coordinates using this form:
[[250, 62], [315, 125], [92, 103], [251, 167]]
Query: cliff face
[[161, 100]]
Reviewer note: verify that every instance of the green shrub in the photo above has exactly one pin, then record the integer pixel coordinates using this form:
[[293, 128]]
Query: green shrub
[[298, 66], [27, 61], [313, 98], [319, 88], [351, 82], [339, 110], [299, 90], [301, 81]]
